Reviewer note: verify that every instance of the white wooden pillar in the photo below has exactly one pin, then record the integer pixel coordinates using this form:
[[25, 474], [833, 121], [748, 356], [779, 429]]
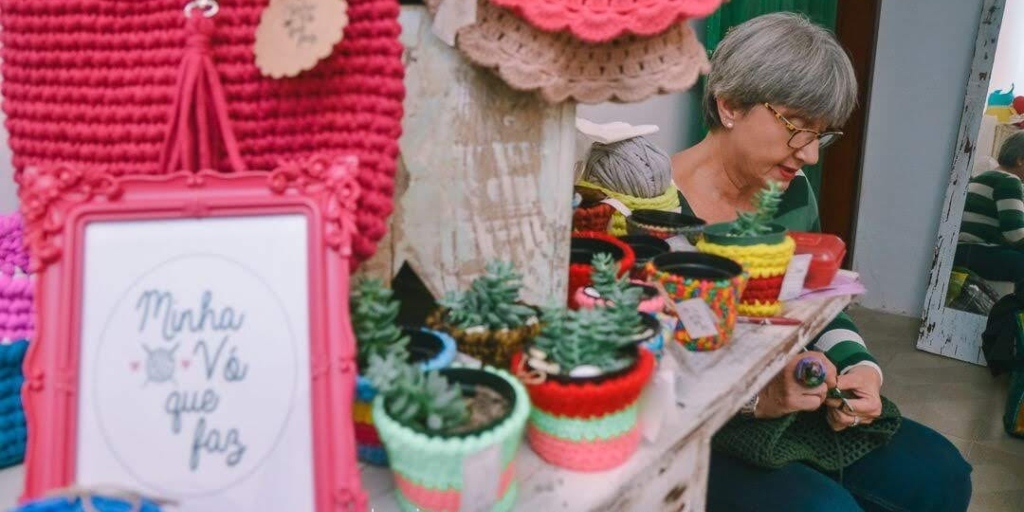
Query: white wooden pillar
[[486, 172]]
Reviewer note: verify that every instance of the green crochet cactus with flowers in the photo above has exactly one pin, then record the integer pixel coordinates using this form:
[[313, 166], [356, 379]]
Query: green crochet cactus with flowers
[[374, 312], [492, 300], [595, 337], [758, 222], [426, 401]]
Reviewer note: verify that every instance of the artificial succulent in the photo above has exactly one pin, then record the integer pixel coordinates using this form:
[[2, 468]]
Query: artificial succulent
[[422, 400], [492, 301], [619, 296], [585, 338], [759, 221], [374, 312]]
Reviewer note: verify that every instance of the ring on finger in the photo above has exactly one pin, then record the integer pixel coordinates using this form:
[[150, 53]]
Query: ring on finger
[[856, 421]]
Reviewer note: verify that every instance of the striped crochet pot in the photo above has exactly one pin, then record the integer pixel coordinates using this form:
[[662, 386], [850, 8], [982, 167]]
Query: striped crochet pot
[[434, 350], [716, 280], [430, 471], [588, 425], [765, 258]]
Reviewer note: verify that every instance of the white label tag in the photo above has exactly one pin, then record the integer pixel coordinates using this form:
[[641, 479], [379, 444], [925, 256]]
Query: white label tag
[[697, 318], [679, 243], [481, 477], [796, 274], [618, 205], [658, 398], [468, 361], [451, 16]]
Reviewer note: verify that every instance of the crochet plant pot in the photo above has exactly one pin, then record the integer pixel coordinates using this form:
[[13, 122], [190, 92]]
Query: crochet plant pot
[[717, 280], [651, 300], [493, 348], [664, 225], [592, 217], [765, 259], [429, 469], [587, 425], [433, 350], [583, 247], [645, 248]]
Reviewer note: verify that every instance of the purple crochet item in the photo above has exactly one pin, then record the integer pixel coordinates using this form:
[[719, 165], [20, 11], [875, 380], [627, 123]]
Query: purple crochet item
[[16, 308], [12, 249]]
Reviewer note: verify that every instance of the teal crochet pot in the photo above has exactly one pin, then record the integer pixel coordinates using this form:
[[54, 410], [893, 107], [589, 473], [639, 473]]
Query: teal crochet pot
[[432, 350], [434, 473], [13, 432]]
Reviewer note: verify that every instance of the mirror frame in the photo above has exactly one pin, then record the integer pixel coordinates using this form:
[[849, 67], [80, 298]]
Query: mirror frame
[[946, 331]]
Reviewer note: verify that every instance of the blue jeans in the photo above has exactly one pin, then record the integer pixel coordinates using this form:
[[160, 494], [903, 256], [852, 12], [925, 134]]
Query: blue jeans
[[918, 471]]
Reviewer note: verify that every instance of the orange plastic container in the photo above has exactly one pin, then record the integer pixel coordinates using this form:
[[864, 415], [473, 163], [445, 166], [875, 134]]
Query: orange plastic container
[[827, 253]]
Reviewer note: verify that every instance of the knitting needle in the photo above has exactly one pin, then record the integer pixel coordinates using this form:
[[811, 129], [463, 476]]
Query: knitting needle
[[772, 320]]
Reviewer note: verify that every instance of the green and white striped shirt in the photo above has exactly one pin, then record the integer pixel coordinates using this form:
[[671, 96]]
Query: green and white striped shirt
[[994, 210]]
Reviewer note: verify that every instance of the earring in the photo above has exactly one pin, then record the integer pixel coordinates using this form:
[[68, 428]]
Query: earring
[[728, 124]]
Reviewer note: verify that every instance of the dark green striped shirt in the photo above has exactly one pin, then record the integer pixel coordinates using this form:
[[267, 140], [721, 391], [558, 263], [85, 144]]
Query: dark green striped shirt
[[994, 210], [840, 340]]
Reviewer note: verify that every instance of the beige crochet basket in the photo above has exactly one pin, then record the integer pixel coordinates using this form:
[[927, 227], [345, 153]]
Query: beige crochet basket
[[561, 67]]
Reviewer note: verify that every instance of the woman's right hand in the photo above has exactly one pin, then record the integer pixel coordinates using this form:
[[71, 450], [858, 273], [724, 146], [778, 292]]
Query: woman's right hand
[[784, 394]]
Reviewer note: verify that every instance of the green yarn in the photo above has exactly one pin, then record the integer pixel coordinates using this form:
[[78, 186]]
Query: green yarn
[[586, 429], [805, 437], [436, 462]]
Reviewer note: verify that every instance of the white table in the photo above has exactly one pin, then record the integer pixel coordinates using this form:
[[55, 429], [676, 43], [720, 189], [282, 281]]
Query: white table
[[668, 474]]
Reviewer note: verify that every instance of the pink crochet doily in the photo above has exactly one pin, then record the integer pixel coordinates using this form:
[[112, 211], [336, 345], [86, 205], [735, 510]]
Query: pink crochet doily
[[598, 21], [92, 82], [562, 67]]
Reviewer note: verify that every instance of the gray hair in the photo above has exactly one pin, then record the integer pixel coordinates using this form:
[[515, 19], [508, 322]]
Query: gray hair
[[1012, 151], [785, 60]]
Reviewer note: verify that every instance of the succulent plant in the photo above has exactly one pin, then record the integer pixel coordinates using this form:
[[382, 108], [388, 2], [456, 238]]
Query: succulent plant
[[492, 300], [374, 312], [620, 296], [587, 337], [758, 222], [423, 400]]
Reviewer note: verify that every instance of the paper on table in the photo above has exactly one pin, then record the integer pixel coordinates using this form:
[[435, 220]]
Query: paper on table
[[796, 274], [481, 479], [659, 397], [846, 282]]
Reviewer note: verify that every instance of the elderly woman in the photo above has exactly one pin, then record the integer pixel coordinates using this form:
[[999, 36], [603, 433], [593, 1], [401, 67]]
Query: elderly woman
[[991, 241], [778, 90]]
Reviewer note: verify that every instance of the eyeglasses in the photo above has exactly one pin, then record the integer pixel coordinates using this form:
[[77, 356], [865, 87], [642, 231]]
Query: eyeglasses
[[801, 137]]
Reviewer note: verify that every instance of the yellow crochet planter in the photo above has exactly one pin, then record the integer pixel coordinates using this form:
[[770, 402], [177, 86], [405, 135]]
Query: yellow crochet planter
[[765, 258]]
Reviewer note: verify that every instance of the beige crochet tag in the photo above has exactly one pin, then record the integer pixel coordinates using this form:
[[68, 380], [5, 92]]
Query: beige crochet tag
[[294, 35]]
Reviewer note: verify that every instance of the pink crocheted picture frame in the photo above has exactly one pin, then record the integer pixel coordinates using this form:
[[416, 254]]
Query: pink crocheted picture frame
[[193, 339]]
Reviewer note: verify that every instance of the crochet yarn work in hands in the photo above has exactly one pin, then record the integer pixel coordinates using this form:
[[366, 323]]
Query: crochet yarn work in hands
[[92, 82], [597, 21], [562, 67]]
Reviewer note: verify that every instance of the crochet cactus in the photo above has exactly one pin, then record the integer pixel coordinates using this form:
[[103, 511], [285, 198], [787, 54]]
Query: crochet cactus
[[374, 311], [417, 399], [492, 300], [758, 222]]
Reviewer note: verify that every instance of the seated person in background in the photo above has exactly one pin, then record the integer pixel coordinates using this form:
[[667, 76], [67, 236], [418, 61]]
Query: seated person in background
[[991, 242]]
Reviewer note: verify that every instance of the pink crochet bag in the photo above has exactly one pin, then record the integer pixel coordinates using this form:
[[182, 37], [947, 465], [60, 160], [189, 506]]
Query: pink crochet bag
[[95, 83]]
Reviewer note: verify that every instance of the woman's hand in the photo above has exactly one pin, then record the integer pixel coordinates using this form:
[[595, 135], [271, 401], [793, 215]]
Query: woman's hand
[[865, 385], [784, 394]]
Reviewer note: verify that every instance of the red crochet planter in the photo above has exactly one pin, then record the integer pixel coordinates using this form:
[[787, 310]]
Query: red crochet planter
[[585, 245], [592, 218], [586, 400], [92, 83], [763, 290]]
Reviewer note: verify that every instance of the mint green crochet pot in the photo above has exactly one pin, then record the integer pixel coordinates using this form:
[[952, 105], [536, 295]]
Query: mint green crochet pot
[[428, 469]]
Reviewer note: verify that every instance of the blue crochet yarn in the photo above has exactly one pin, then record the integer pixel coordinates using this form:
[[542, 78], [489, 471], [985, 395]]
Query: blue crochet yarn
[[13, 432], [656, 345], [99, 503], [375, 455]]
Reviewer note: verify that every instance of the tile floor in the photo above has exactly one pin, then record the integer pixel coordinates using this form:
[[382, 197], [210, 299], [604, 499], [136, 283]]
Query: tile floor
[[960, 400]]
